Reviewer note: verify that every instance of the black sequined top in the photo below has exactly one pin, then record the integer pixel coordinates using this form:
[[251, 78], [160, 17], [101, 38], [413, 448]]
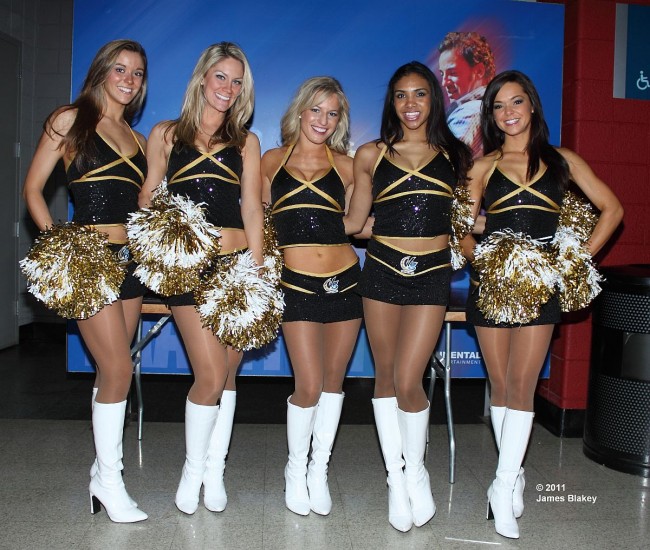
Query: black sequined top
[[106, 192], [212, 178], [308, 213], [532, 209], [413, 203]]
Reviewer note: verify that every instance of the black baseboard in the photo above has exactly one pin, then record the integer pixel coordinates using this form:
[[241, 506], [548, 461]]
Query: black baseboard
[[560, 422]]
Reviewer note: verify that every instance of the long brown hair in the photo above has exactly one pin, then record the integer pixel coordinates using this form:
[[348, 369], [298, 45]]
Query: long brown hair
[[539, 149], [91, 101]]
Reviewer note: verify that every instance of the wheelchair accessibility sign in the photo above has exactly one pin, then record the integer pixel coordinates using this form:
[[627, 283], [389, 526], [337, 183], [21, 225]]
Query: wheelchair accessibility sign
[[632, 44]]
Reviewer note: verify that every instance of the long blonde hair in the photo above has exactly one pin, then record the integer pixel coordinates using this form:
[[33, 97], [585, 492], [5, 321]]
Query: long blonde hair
[[233, 131], [312, 92]]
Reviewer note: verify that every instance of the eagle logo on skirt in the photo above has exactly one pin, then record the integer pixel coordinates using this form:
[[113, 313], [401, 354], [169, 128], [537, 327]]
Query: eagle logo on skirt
[[331, 285], [408, 265]]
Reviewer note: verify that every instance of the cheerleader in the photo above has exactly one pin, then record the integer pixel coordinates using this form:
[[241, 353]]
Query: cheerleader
[[105, 167], [522, 183], [308, 181], [409, 177], [208, 156]]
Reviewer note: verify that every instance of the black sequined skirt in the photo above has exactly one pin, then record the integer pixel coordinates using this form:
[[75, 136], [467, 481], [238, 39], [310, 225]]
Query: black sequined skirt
[[131, 286], [321, 297], [404, 277]]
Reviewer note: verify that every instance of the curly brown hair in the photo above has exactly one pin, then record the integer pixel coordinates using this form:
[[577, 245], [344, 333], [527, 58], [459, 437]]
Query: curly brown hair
[[473, 47]]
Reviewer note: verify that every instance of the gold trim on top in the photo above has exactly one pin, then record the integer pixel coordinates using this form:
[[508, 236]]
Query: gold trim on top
[[520, 188], [203, 156], [418, 168], [306, 205]]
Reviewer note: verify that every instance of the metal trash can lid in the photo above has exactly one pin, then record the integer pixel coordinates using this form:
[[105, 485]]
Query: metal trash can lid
[[635, 277]]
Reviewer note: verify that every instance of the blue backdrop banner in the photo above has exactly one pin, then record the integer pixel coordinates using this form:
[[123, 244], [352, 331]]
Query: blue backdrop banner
[[361, 46]]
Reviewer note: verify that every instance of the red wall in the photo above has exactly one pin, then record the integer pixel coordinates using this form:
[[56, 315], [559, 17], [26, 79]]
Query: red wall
[[613, 136]]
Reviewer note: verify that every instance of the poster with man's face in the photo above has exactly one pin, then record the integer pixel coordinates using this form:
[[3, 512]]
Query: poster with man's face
[[361, 44]]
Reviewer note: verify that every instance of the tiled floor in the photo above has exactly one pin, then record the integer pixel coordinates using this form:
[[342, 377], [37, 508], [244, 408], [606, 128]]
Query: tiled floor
[[44, 501]]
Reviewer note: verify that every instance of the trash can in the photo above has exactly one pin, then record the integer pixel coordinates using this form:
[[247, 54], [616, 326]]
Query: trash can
[[617, 420]]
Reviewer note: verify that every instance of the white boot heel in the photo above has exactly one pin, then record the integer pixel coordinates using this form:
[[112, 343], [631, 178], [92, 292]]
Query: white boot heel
[[107, 487]]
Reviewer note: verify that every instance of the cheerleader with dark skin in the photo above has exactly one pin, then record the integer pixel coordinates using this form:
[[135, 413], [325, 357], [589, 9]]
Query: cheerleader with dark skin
[[92, 136], [533, 176], [208, 155], [408, 176], [308, 181]]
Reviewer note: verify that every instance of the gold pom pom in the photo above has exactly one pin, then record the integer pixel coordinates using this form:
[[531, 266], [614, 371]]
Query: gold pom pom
[[579, 215], [579, 281], [273, 259], [462, 219], [71, 269], [172, 243], [458, 260], [243, 309], [517, 276]]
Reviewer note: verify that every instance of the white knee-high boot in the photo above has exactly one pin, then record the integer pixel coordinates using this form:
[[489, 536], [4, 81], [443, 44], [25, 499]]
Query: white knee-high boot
[[413, 427], [390, 440], [496, 416], [514, 441], [93, 467], [214, 490], [300, 424], [107, 487], [326, 424], [199, 424]]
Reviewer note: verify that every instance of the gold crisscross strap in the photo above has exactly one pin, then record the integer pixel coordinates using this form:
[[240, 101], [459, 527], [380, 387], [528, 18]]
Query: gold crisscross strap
[[231, 176], [521, 188], [442, 188], [99, 174], [306, 185]]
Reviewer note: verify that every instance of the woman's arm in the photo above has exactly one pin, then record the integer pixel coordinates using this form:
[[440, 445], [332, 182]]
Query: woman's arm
[[347, 173], [476, 184], [158, 149], [597, 191], [251, 197], [48, 153], [270, 163], [360, 204]]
